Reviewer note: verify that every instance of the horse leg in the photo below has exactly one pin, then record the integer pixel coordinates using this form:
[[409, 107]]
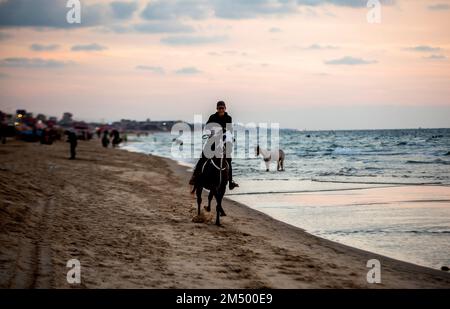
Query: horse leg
[[222, 212], [267, 165], [282, 164], [218, 208], [199, 198], [210, 197], [278, 165]]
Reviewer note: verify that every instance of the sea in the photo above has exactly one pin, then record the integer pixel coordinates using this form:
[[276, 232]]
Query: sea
[[384, 191]]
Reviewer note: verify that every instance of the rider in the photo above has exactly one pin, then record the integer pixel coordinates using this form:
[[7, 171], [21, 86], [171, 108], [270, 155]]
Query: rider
[[222, 118]]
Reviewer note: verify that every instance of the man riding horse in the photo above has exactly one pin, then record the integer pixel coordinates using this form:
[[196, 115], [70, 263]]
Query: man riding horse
[[221, 118]]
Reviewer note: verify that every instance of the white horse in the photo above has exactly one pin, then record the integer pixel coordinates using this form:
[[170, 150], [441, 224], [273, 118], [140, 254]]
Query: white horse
[[276, 155]]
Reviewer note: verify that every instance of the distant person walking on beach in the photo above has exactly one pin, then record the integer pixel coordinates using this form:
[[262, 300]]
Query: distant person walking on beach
[[3, 133], [105, 139], [3, 128], [73, 140], [222, 118]]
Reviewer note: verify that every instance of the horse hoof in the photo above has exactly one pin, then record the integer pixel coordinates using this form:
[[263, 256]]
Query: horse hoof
[[223, 214], [208, 209]]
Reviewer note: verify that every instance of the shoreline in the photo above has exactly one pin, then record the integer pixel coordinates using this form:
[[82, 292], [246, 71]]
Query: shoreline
[[240, 197], [128, 218], [183, 172]]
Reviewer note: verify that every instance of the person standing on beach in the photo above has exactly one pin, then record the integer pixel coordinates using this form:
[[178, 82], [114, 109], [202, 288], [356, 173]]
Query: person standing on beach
[[73, 140], [222, 118], [105, 139]]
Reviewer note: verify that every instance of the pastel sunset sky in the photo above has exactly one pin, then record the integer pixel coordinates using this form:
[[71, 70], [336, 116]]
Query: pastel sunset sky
[[306, 64]]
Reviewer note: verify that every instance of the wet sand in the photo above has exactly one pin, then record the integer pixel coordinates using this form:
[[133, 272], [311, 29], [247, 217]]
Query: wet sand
[[128, 218], [406, 222]]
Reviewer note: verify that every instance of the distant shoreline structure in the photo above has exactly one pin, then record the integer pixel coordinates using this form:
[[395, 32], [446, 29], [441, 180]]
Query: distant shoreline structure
[[137, 126]]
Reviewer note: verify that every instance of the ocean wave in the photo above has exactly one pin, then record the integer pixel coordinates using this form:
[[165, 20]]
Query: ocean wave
[[437, 161], [389, 231], [346, 171], [380, 182], [358, 152], [343, 151]]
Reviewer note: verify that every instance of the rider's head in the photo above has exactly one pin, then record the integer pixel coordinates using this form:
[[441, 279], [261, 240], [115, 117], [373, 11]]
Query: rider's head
[[221, 108]]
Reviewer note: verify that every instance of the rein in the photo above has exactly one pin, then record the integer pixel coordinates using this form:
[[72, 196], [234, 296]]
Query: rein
[[219, 168], [214, 164]]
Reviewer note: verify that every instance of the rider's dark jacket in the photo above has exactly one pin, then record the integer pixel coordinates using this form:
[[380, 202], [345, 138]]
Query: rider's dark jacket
[[222, 121]]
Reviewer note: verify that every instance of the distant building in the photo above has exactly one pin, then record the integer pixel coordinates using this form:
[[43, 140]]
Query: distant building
[[41, 117], [21, 113], [66, 120], [147, 125]]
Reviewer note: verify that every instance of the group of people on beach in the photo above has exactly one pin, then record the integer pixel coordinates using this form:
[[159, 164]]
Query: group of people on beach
[[113, 137]]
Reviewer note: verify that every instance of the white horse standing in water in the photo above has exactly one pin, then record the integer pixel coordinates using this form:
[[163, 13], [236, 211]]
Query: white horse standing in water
[[276, 155]]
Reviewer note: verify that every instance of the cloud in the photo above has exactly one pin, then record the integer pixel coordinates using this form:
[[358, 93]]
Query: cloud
[[89, 47], [275, 30], [348, 60], [172, 9], [123, 10], [236, 9], [436, 57], [188, 71], [346, 3], [153, 69], [240, 9], [163, 27], [193, 40], [52, 13], [3, 75], [439, 7], [171, 26], [320, 47], [4, 36], [39, 47], [424, 48], [32, 63], [47, 13]]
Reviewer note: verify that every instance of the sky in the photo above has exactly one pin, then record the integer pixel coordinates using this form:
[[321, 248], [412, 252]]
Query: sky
[[305, 64]]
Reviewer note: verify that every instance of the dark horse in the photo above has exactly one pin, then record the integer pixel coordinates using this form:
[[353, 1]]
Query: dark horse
[[213, 177]]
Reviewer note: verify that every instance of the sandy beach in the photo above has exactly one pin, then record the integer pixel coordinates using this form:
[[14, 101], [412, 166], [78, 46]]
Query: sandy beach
[[128, 218]]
